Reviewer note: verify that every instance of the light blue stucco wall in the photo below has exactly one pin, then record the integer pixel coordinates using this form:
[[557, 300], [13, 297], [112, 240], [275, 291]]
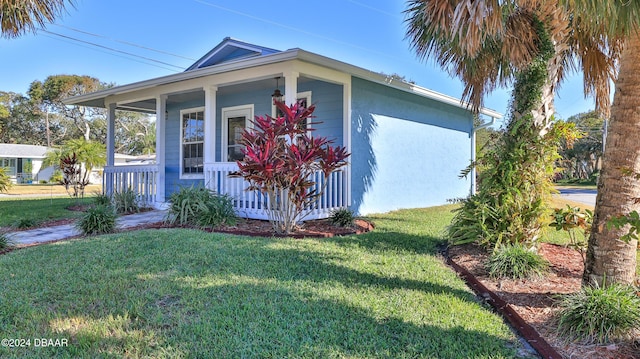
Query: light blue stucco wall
[[329, 109], [407, 150]]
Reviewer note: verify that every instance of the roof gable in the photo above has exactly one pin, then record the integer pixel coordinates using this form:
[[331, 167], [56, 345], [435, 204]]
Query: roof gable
[[229, 50]]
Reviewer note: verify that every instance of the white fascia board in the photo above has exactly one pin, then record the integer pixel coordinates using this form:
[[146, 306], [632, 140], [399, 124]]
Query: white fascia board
[[182, 76], [380, 78], [97, 98]]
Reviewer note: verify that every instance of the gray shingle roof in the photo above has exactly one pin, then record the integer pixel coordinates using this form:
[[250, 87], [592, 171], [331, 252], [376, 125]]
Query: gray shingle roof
[[9, 150]]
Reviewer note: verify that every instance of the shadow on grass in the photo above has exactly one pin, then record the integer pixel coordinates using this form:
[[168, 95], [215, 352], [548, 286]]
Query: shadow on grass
[[183, 293], [392, 241], [258, 320]]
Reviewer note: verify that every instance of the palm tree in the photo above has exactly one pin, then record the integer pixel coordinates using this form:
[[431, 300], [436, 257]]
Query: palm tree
[[609, 259], [5, 181], [486, 42], [492, 43], [83, 157], [20, 16]]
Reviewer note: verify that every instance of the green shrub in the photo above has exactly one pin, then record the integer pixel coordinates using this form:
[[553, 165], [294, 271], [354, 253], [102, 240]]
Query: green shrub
[[5, 242], [5, 180], [342, 217], [600, 314], [515, 262], [126, 201], [25, 223], [101, 199], [574, 222], [56, 177], [515, 175], [185, 204], [217, 211], [97, 220], [197, 205]]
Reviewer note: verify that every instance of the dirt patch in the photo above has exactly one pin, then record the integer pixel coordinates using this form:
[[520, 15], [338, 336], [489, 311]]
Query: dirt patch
[[535, 300]]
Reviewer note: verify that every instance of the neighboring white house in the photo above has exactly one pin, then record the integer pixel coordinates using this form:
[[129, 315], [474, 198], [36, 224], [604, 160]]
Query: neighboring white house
[[23, 163], [123, 160]]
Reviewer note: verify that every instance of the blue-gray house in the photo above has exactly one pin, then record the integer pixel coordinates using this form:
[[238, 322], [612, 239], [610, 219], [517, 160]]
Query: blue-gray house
[[408, 143]]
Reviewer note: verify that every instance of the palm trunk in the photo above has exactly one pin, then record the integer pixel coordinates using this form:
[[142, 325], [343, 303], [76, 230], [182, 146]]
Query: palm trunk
[[610, 260]]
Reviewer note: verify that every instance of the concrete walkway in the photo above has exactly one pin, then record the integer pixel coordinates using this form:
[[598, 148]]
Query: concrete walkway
[[54, 233], [586, 196]]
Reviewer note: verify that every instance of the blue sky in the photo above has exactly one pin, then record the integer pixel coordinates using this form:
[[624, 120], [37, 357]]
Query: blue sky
[[365, 33]]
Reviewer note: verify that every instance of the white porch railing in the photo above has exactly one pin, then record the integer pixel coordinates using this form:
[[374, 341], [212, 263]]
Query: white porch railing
[[252, 204], [143, 180]]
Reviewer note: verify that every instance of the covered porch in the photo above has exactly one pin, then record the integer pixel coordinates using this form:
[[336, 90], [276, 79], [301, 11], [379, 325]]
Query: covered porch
[[143, 180], [197, 123]]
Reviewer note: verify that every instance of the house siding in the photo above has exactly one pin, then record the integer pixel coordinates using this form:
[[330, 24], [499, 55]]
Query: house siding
[[172, 145], [260, 99], [407, 151], [328, 114], [328, 98]]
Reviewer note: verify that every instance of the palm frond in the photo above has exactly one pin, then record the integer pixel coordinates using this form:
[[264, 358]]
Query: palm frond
[[20, 16]]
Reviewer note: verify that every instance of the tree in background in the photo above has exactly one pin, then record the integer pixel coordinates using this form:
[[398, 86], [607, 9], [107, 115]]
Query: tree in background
[[19, 123], [77, 159], [486, 140], [135, 132], [20, 16], [80, 121], [583, 160]]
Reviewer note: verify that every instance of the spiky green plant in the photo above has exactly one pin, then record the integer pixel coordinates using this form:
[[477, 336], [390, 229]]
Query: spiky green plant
[[126, 201], [97, 220], [342, 217], [598, 314], [515, 261]]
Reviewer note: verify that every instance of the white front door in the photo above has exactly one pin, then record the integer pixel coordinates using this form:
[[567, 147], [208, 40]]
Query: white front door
[[234, 121]]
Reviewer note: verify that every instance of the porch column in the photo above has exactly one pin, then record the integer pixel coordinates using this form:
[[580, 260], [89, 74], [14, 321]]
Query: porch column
[[161, 122], [291, 87], [346, 136], [111, 149], [209, 133]]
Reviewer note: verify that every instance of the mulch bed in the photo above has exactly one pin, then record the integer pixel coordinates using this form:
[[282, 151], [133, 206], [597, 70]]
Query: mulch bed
[[535, 300], [321, 228]]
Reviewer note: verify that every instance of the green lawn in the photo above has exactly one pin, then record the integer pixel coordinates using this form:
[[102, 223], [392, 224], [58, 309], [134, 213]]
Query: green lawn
[[188, 294], [36, 209]]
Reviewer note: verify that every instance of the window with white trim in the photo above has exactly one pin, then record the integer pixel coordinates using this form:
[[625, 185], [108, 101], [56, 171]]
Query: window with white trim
[[304, 98], [9, 165], [192, 142], [234, 121]]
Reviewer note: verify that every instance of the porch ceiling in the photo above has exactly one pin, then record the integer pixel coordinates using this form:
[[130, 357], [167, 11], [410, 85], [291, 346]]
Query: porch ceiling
[[149, 105]]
